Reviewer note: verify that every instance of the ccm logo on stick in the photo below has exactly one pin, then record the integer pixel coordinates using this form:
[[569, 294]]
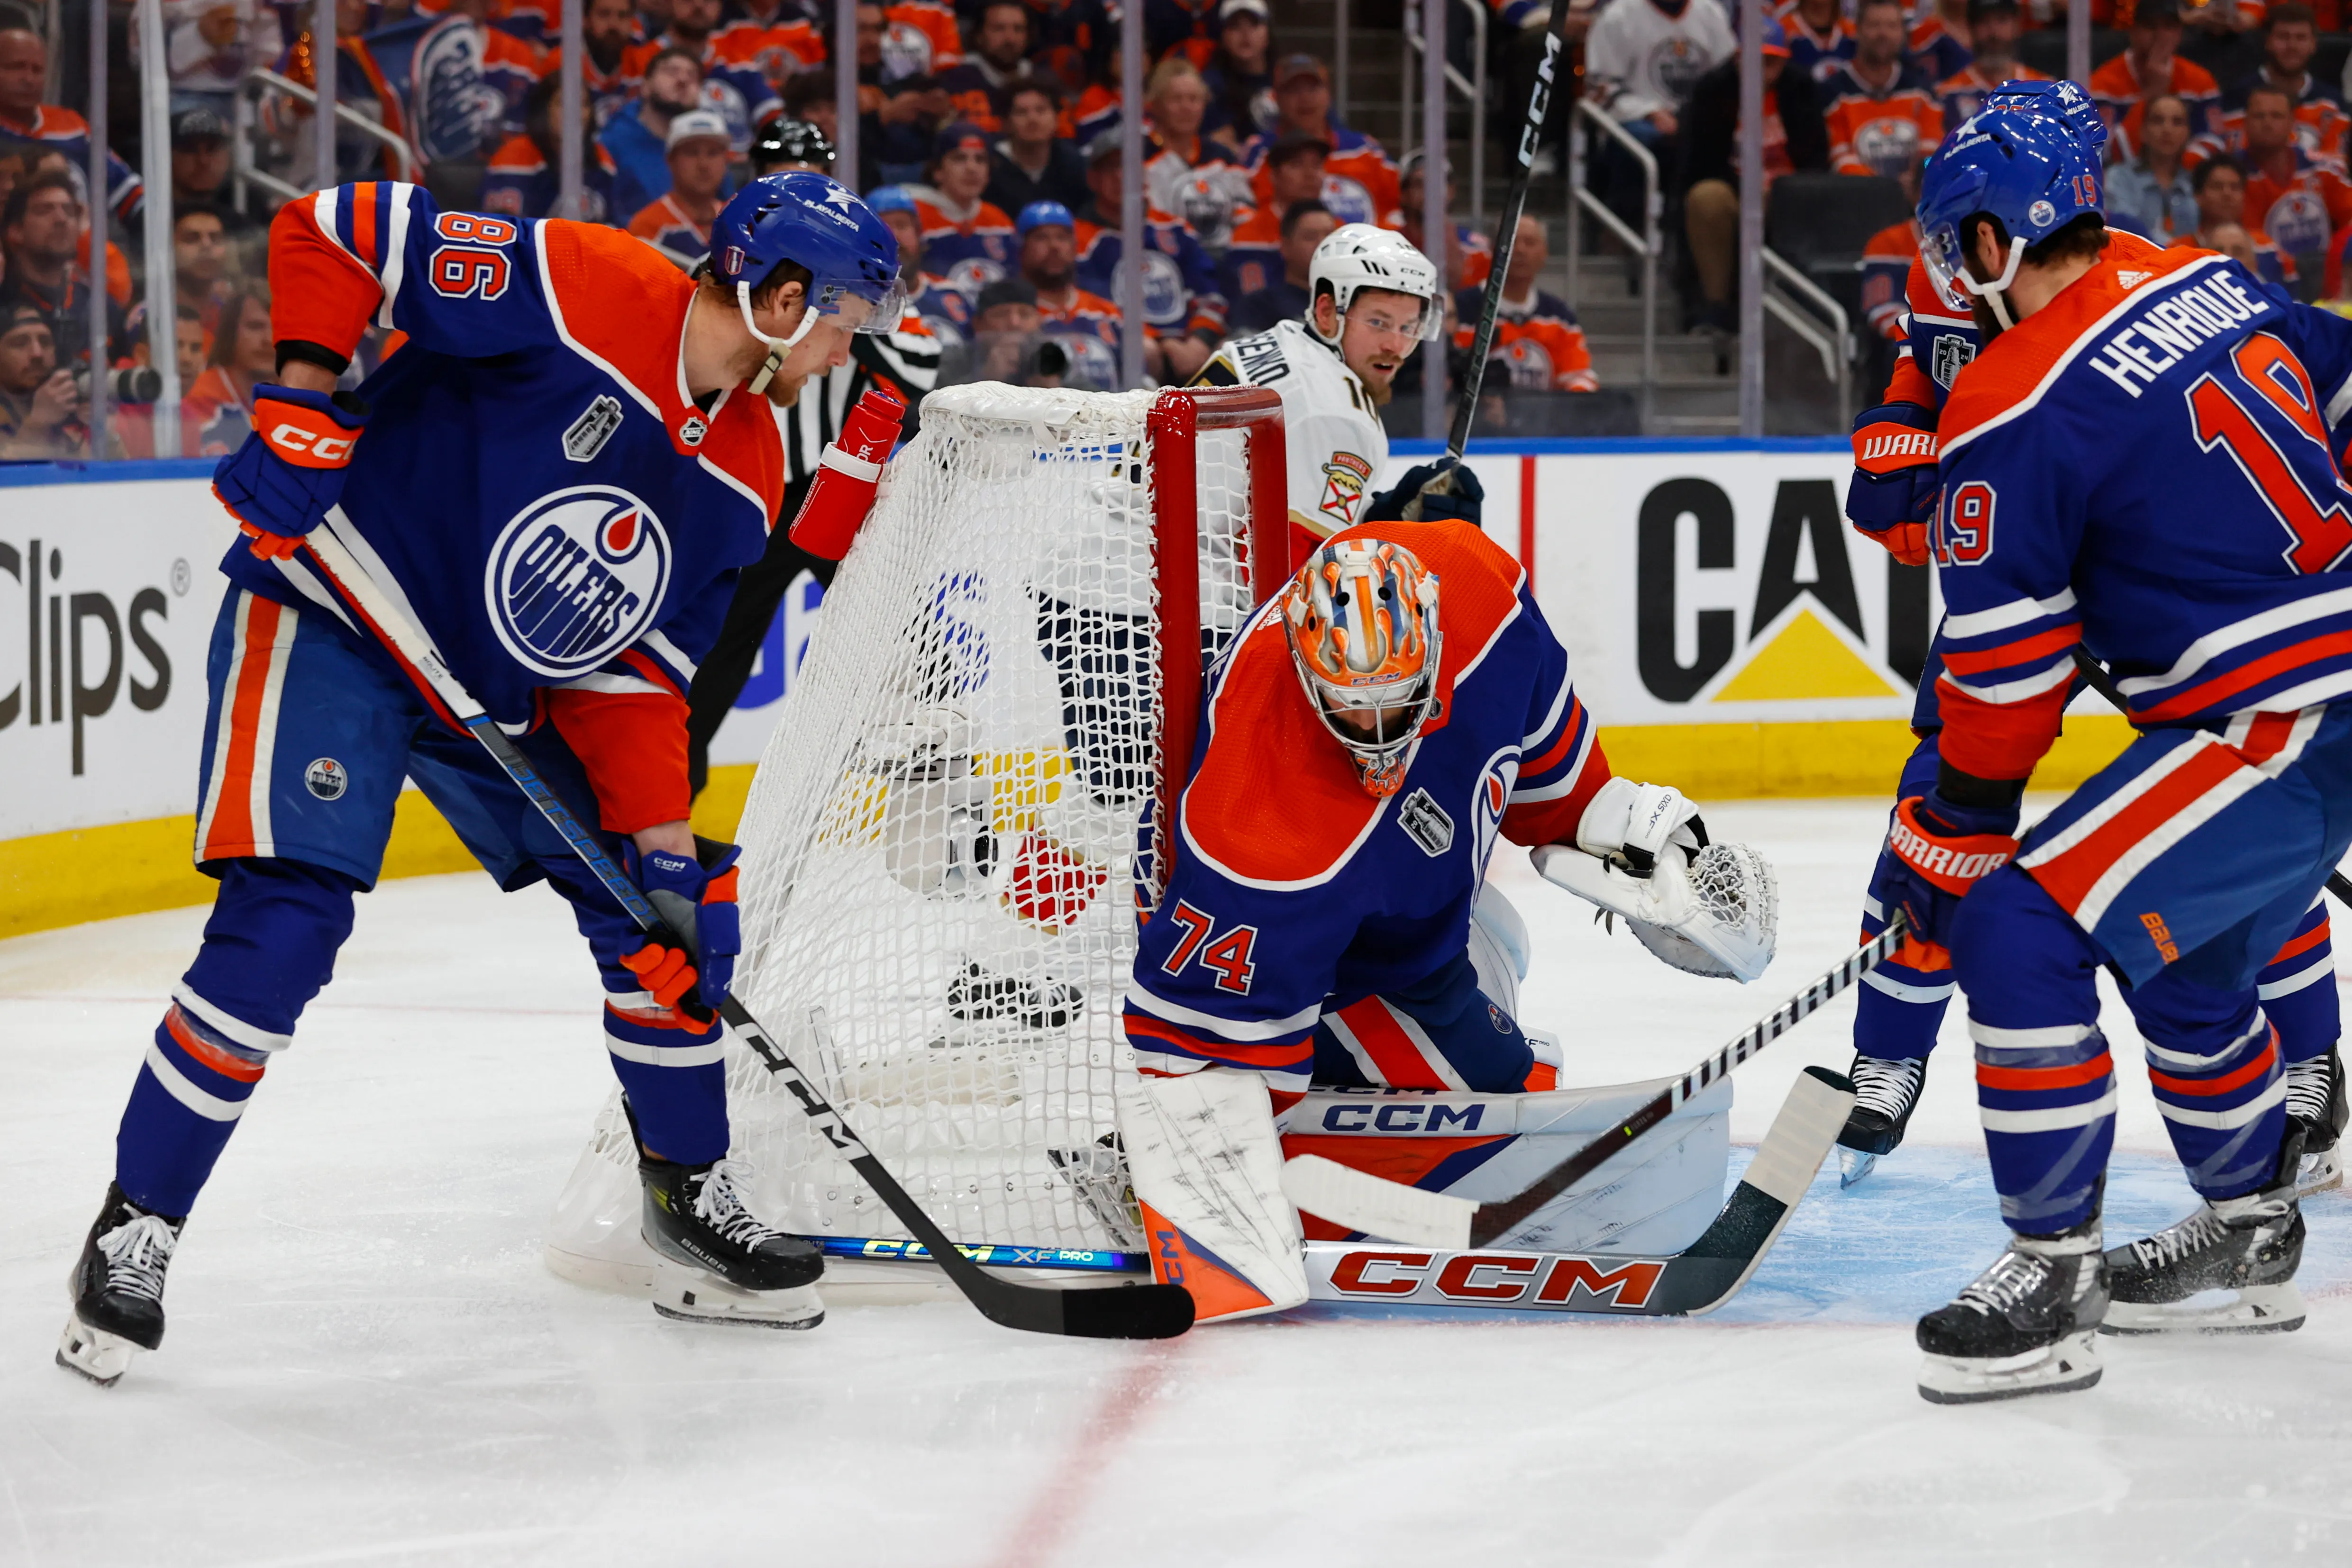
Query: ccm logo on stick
[[1493, 1279]]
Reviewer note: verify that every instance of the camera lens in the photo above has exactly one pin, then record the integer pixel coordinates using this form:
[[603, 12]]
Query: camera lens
[[137, 383]]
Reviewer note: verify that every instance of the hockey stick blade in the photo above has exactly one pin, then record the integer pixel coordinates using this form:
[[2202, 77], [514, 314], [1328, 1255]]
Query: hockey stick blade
[[1496, 1219], [1689, 1283], [1133, 1311], [1375, 1206], [2096, 676]]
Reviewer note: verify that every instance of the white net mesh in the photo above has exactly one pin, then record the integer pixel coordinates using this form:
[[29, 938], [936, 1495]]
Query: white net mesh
[[941, 848]]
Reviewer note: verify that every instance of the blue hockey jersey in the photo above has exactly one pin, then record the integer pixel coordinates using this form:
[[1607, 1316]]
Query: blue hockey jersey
[[1293, 889], [534, 480], [2145, 466], [1939, 339]]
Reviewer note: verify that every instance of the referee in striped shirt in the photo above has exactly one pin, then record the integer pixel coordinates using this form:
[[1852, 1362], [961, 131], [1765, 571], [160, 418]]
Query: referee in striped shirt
[[907, 361]]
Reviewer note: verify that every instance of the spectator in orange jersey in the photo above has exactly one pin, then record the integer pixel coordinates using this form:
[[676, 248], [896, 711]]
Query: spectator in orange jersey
[[980, 90], [940, 46], [1886, 269], [2290, 39], [1030, 161], [1469, 255], [967, 240], [1794, 138], [1943, 41], [525, 176], [772, 39], [901, 105], [1879, 109], [1992, 31], [1538, 347], [677, 222], [244, 355], [1282, 297], [2147, 68], [1819, 37], [1253, 254], [2220, 189], [1087, 324], [2150, 193], [1359, 183], [2298, 199], [607, 30]]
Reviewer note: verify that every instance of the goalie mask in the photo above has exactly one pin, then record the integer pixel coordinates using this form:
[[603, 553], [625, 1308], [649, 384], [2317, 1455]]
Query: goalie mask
[[1362, 618]]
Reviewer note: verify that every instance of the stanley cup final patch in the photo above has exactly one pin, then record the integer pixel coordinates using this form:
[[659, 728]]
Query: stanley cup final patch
[[588, 433], [1425, 822]]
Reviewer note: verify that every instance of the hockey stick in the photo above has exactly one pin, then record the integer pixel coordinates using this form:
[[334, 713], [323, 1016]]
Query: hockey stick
[[2095, 675], [1507, 239], [1374, 1205], [1138, 1312], [1494, 1219], [1696, 1280]]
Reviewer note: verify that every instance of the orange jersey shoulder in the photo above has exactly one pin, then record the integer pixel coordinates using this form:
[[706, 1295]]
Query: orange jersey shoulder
[[1894, 239]]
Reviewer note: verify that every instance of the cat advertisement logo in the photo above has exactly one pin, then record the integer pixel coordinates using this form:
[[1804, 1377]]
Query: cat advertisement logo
[[1344, 479]]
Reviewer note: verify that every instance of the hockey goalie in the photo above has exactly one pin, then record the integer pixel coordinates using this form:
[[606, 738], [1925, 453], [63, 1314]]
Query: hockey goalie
[[1370, 733]]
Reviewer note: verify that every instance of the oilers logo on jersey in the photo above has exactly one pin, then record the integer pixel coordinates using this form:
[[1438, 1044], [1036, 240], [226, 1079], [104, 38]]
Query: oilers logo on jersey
[[575, 577]]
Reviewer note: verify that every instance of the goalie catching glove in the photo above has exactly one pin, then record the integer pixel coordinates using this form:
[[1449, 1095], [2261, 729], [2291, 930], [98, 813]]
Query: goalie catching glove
[[695, 899], [1642, 853]]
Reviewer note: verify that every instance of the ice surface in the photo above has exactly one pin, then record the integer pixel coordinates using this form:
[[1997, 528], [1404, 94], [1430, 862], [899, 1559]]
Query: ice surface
[[368, 1363]]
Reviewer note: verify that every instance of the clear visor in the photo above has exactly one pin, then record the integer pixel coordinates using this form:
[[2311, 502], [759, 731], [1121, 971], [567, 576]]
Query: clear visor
[[840, 308], [1388, 315], [1940, 253]]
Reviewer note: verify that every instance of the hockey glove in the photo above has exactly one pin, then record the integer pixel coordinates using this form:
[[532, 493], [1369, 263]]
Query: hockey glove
[[696, 899], [1939, 851], [1459, 502], [290, 472], [1893, 495]]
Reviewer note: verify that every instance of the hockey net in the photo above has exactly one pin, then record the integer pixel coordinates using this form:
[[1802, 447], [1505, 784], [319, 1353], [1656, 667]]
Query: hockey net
[[962, 809]]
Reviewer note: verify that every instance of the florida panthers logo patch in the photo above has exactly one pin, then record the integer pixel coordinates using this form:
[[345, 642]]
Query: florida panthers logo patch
[[575, 577]]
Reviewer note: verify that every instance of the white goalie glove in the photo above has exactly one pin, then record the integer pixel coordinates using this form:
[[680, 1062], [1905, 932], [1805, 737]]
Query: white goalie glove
[[1642, 853]]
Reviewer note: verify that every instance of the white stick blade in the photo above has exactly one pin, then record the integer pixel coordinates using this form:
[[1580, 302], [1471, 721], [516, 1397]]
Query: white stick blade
[[1388, 1210]]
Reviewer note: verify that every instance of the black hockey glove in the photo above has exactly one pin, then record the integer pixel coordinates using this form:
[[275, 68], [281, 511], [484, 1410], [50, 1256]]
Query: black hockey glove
[[1459, 502]]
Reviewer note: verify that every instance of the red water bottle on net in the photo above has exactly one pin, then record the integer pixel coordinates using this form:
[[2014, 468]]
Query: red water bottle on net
[[848, 476]]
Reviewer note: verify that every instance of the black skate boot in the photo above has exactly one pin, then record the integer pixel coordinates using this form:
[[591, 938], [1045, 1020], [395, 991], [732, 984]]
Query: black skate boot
[[117, 1285], [2026, 1325], [744, 1271], [2315, 1104], [977, 995], [1886, 1092], [2250, 1246]]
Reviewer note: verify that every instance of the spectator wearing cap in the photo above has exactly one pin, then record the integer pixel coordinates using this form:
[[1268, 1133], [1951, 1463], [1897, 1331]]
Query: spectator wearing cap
[[1031, 161], [2151, 191], [1239, 75], [1819, 36], [2150, 65], [1709, 176], [1538, 347], [1183, 306], [967, 239], [1293, 170], [946, 312], [1186, 171], [678, 222], [1469, 255], [1089, 324], [1942, 41], [901, 105], [1359, 183], [200, 167], [638, 141], [1006, 338], [1282, 296], [787, 146], [29, 124], [2290, 39], [42, 417], [980, 90], [1880, 107], [1993, 29], [526, 173], [41, 235], [1640, 63]]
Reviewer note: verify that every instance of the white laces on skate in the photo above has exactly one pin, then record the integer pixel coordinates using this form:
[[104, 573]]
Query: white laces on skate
[[136, 1255], [2307, 1086], [1887, 1087], [2014, 1277], [2174, 1242], [719, 1203]]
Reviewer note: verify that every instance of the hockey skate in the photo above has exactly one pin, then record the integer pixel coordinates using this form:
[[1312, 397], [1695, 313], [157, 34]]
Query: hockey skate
[[2315, 1104], [2249, 1247], [2026, 1325], [117, 1285], [979, 995], [1886, 1094], [731, 1268]]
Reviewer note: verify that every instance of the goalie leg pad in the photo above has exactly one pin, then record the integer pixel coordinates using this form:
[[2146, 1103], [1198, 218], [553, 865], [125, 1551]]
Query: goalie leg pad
[[1207, 1167]]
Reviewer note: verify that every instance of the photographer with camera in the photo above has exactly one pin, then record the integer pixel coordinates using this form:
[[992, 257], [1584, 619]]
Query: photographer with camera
[[42, 416]]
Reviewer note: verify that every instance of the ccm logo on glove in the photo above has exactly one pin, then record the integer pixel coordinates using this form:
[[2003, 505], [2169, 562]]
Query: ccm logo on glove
[[305, 437], [1953, 864]]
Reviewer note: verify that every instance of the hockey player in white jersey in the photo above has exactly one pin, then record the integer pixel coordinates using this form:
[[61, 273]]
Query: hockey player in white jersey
[[1372, 299]]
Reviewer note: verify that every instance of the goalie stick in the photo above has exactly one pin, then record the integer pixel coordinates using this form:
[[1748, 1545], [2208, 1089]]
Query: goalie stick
[[2095, 675], [1134, 1312], [1691, 1283], [1494, 1219]]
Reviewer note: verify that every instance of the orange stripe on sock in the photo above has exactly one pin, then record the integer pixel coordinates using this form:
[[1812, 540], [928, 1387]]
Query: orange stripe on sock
[[2303, 944], [205, 1051], [2245, 1075], [2066, 1077]]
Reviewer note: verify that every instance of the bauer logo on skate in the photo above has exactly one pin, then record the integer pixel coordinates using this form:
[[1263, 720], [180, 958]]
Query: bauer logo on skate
[[576, 576], [1539, 1280]]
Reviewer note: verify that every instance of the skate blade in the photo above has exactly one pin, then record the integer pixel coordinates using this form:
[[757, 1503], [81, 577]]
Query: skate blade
[[707, 1300], [94, 1354], [2322, 1172], [2072, 1362], [2258, 1309], [1852, 1165]]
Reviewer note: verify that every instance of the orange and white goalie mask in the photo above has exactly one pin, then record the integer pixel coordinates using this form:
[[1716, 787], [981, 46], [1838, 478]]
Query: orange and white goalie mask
[[1361, 617]]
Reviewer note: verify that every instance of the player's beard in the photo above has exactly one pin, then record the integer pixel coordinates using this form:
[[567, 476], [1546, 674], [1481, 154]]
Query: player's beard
[[1989, 325]]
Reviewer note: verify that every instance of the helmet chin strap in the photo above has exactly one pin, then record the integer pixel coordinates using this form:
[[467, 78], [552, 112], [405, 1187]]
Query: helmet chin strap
[[1996, 294], [779, 347]]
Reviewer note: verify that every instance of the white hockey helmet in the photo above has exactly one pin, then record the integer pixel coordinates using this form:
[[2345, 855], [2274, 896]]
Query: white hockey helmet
[[1361, 256]]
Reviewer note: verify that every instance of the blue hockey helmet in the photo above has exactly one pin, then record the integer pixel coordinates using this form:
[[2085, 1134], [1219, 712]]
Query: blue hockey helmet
[[2031, 171], [808, 219], [2059, 99]]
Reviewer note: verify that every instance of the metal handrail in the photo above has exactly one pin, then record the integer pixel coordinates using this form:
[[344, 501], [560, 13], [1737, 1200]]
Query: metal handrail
[[242, 167], [1645, 244], [1471, 87], [1837, 350]]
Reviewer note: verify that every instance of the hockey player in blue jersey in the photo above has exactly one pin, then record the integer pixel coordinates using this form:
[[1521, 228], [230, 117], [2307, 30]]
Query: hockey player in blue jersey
[[1900, 1007], [558, 476], [2141, 463], [1407, 693]]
